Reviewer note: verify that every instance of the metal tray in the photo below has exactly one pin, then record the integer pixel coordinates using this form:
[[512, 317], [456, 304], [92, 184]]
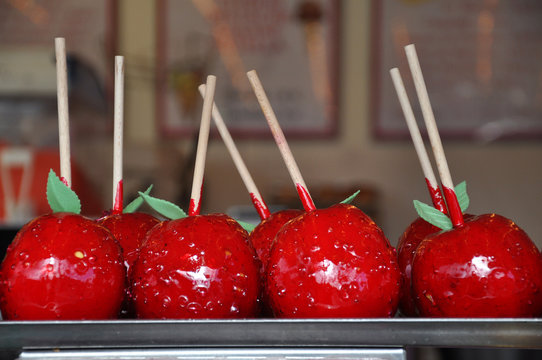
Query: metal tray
[[319, 333]]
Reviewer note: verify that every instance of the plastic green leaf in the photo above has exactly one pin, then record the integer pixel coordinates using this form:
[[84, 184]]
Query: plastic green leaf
[[163, 207], [462, 196], [351, 198], [60, 197], [433, 216], [247, 226], [136, 203]]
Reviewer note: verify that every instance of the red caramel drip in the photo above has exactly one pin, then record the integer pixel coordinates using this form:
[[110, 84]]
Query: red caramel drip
[[117, 205], [194, 208], [453, 207], [260, 207], [436, 197], [63, 179], [305, 197]]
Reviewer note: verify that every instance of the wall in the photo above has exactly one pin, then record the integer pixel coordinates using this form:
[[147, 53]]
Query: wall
[[504, 178]]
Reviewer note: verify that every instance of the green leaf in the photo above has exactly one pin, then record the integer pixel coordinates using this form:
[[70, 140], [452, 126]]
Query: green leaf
[[462, 196], [60, 197], [136, 203], [163, 207], [351, 198], [247, 226], [433, 216]]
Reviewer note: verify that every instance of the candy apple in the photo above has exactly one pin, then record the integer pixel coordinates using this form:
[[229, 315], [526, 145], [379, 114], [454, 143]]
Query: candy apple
[[488, 267], [130, 230], [200, 266], [414, 234], [263, 235], [62, 266], [262, 239], [408, 243], [418, 230], [333, 262]]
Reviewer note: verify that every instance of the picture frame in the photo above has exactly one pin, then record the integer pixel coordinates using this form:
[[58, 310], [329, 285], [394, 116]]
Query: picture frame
[[292, 44], [479, 60], [28, 32]]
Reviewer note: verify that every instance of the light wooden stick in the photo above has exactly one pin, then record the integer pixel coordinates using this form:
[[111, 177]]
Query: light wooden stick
[[425, 163], [118, 135], [201, 152], [434, 137], [63, 112], [278, 135], [255, 195]]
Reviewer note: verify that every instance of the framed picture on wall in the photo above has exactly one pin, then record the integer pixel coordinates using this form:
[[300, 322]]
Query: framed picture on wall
[[30, 27], [480, 60], [28, 108], [292, 44]]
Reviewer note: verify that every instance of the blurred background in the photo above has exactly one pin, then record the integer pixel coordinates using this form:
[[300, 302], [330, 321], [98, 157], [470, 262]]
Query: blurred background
[[324, 64]]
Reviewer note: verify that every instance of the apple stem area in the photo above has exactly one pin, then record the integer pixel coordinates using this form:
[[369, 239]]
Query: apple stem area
[[453, 207], [194, 207], [119, 195], [260, 206], [306, 199], [436, 198]]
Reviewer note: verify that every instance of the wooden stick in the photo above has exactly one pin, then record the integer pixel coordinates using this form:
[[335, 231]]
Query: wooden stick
[[201, 152], [432, 130], [256, 197], [63, 112], [430, 179], [278, 135], [118, 135]]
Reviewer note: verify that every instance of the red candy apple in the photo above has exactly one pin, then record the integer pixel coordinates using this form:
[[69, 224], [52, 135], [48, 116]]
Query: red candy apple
[[418, 230], [483, 266], [406, 249], [62, 266], [263, 235], [333, 262], [262, 239], [199, 266], [129, 229], [486, 268]]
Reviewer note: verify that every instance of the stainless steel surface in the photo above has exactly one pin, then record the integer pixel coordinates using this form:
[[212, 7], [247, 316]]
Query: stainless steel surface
[[220, 353], [397, 332]]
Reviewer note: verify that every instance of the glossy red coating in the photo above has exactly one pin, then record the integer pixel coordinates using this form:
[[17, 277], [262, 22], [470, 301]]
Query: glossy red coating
[[62, 266], [487, 268], [130, 230], [194, 208], [263, 235], [408, 243], [418, 230], [305, 197], [117, 206], [260, 206], [436, 197], [333, 262], [453, 207], [196, 267]]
